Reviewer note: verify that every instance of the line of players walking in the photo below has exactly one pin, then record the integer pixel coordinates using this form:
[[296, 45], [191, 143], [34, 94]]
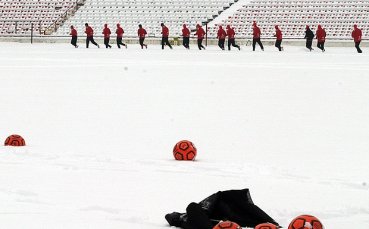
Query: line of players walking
[[320, 35], [106, 32]]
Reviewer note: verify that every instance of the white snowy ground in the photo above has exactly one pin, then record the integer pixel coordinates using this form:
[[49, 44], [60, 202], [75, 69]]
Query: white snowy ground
[[100, 126]]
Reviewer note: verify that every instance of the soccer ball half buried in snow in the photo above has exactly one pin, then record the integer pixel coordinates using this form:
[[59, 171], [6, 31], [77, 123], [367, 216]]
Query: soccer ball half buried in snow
[[266, 226], [227, 225], [184, 150], [14, 140], [306, 222]]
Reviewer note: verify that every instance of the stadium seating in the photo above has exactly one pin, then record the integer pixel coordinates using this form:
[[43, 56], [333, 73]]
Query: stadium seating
[[336, 16], [149, 13], [48, 16], [16, 16]]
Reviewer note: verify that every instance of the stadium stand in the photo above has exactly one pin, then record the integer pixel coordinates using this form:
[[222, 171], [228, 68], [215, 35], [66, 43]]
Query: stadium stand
[[336, 16], [54, 17], [16, 16], [149, 13]]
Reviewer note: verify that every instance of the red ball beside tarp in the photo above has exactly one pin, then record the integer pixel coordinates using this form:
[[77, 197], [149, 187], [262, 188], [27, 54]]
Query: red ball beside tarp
[[266, 226], [227, 225], [306, 222]]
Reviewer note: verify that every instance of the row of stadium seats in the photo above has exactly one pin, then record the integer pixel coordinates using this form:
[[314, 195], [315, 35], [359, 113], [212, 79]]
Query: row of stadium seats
[[16, 16], [20, 28], [4, 4], [146, 12], [336, 16]]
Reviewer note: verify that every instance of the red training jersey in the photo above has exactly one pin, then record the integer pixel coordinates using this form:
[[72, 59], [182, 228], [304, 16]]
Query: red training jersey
[[278, 34], [165, 31], [141, 32], [356, 34], [89, 31], [230, 33], [320, 35], [186, 32], [256, 32], [106, 32], [221, 34], [119, 32], [73, 32], [200, 32]]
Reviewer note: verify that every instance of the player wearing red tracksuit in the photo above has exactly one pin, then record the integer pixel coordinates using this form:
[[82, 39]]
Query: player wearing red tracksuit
[[278, 35], [90, 36], [186, 36], [165, 36], [221, 35], [200, 32], [120, 33], [357, 34], [231, 38], [256, 37], [141, 32], [106, 32], [320, 36], [73, 33]]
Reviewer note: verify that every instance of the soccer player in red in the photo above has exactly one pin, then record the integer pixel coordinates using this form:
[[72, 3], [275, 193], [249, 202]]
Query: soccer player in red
[[256, 37], [278, 35], [231, 39], [320, 35], [119, 33], [357, 34], [90, 36], [73, 33], [106, 33], [200, 36], [221, 35], [165, 36], [186, 36], [141, 34]]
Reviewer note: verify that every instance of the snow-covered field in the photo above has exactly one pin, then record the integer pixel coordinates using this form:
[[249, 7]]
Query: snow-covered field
[[100, 126]]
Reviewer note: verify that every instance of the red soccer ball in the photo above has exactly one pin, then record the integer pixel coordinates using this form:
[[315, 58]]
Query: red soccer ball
[[14, 140], [227, 225], [266, 226], [306, 222], [184, 150]]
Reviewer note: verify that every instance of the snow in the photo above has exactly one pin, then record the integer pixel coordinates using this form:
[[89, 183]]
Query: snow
[[100, 126], [229, 12]]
